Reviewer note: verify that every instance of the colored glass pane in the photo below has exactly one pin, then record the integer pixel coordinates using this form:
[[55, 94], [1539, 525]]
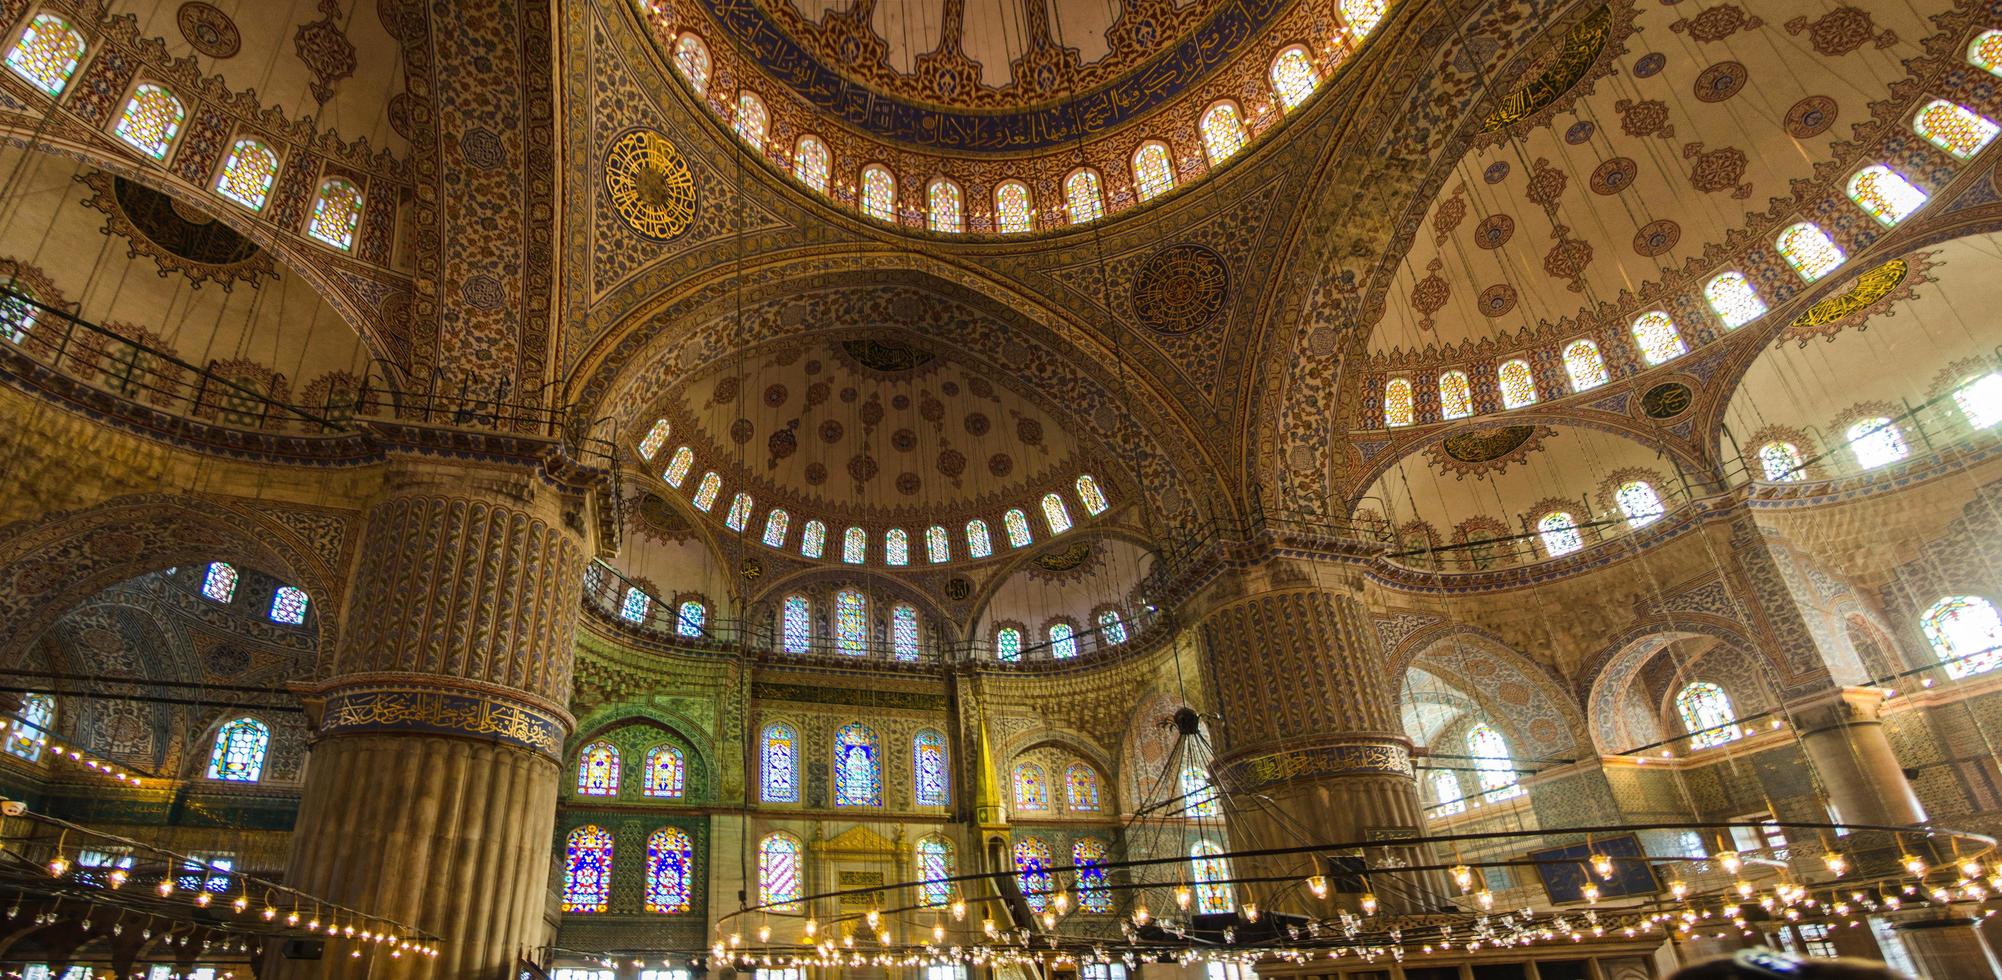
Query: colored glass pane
[[30, 727], [1397, 403], [1362, 16], [776, 523], [751, 120], [587, 870], [1293, 77], [598, 770], [220, 581], [1888, 197], [779, 873], [1014, 210], [1954, 128], [1008, 643], [247, 174], [670, 868], [1111, 629], [778, 770], [1986, 52], [1030, 791], [1965, 633], [1781, 462], [1638, 502], [706, 491], [938, 544], [811, 163], [1518, 385], [238, 755], [1211, 874], [1446, 789], [904, 631], [1456, 398], [1809, 250], [1876, 442], [1055, 514], [798, 624], [1063, 641], [689, 618], [47, 53], [17, 311], [1491, 762], [1656, 337], [1706, 715], [1559, 533], [1223, 132], [288, 606], [1980, 400], [655, 438], [691, 58], [935, 865], [1199, 797], [977, 543], [666, 773], [1583, 365], [740, 512], [1083, 197], [1733, 299], [879, 193], [813, 539], [635, 606], [858, 778], [1017, 524], [677, 467], [928, 762], [1032, 872], [1153, 171], [336, 213], [1081, 788], [1089, 493], [1088, 857], [945, 207], [896, 547], [851, 623], [854, 545]]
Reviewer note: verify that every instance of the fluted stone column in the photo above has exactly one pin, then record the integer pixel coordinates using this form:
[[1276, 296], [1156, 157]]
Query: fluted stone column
[[1948, 946], [430, 791], [1842, 733]]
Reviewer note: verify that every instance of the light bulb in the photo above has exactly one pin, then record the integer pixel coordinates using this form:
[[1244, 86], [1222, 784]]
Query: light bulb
[[1591, 892], [1486, 898], [117, 877], [1463, 876], [1678, 888], [938, 932], [59, 865], [987, 926], [1368, 903], [292, 918], [811, 927], [166, 886], [1251, 911], [202, 899], [1728, 860], [873, 917], [1744, 889], [1602, 865], [1062, 901], [883, 936], [1912, 864], [736, 939], [1182, 896], [1318, 884], [1140, 915], [959, 910], [1970, 869], [764, 933], [1837, 864]]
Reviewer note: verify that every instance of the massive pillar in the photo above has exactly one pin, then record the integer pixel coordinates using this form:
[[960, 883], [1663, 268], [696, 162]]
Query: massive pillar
[[430, 792], [1842, 733]]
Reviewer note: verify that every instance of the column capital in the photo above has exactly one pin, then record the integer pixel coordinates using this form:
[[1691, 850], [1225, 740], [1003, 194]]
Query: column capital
[[393, 702], [1838, 707]]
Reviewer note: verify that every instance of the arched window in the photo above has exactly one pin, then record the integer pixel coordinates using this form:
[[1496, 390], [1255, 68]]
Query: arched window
[[1081, 788], [1656, 337], [1980, 400], [1559, 533], [1017, 524], [1583, 365], [336, 213], [779, 872], [851, 623], [896, 547], [1362, 16], [1055, 514], [1809, 250], [1888, 197], [1111, 629], [798, 624], [1638, 501], [666, 774], [751, 119], [1088, 857], [935, 866], [246, 177], [1397, 403], [670, 871], [813, 539], [288, 606], [1781, 462], [1083, 197], [633, 608], [1706, 715], [928, 787], [1875, 442], [944, 207], [1153, 171], [811, 163], [1986, 52], [858, 777], [706, 491], [854, 545], [879, 192], [1954, 128], [776, 523], [778, 765], [1965, 633], [656, 436], [238, 755], [1030, 791], [1063, 641], [691, 58], [31, 728], [1223, 132], [688, 620], [1014, 209], [938, 544], [677, 467], [1733, 299], [1293, 77], [598, 770], [17, 311], [47, 53], [1032, 872], [587, 870], [740, 512], [1008, 644], [1492, 763], [904, 631], [1456, 399], [1089, 493], [150, 120], [977, 543], [1446, 787], [1199, 796], [1518, 385], [1211, 874], [219, 583]]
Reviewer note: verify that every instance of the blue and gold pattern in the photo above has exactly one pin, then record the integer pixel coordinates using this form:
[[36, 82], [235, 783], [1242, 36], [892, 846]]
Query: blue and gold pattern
[[444, 714]]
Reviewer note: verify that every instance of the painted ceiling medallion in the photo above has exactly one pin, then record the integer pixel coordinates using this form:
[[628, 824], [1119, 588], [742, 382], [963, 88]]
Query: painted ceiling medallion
[[650, 185], [887, 356], [1868, 295], [176, 235], [323, 47], [1667, 401], [1487, 449], [1181, 288], [208, 30]]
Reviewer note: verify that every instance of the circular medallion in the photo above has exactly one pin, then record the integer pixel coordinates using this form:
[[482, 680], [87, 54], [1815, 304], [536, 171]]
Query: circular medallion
[[1494, 231], [1614, 176], [1650, 65], [958, 589], [752, 568], [1498, 299], [1181, 288], [1810, 117], [1720, 81], [649, 185], [1579, 132], [1496, 172], [1666, 401], [1487, 444], [208, 30], [1657, 237]]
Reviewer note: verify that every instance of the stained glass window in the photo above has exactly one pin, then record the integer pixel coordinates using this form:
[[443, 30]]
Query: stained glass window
[[150, 120], [1980, 400], [851, 623], [1875, 442], [587, 870], [1081, 194], [798, 624], [1153, 171], [1446, 787], [1456, 399], [1030, 791], [896, 547], [1089, 493], [904, 631], [1008, 643], [854, 546], [779, 872], [1809, 250], [336, 212], [30, 728], [977, 543], [776, 523], [688, 620], [706, 491], [1063, 641], [1986, 52], [1397, 402], [935, 865], [670, 869], [928, 763], [220, 582], [778, 769], [17, 311], [1088, 857], [751, 119], [1017, 524], [1223, 132], [1491, 762], [1518, 385], [811, 163], [1055, 514], [1032, 871], [1014, 209], [1111, 629], [1559, 533], [1656, 336], [666, 772], [677, 468], [1965, 633], [1584, 366], [879, 193], [944, 207], [47, 53], [1081, 788], [858, 778], [1362, 16], [691, 58], [1954, 128], [288, 606], [247, 175], [1781, 462], [1706, 715], [598, 770], [1638, 501], [1888, 197], [655, 438], [1293, 77], [1734, 300], [1199, 797], [238, 755], [813, 539], [740, 512], [1211, 874], [938, 544]]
